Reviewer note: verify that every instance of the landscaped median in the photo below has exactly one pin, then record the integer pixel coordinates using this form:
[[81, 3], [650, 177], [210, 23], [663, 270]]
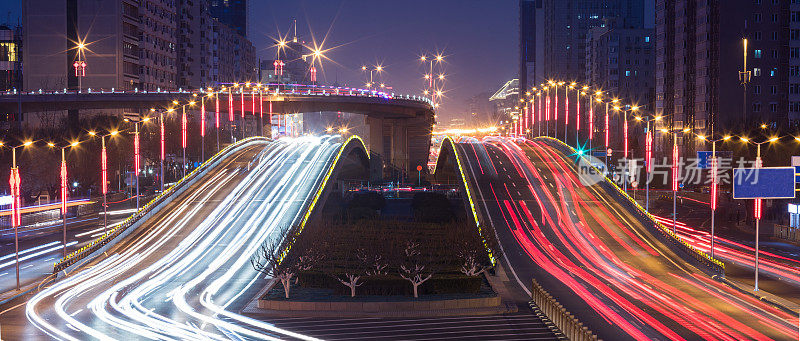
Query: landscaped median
[[326, 303]]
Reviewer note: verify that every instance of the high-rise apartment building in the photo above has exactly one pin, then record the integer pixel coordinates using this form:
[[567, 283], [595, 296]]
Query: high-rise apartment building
[[232, 13], [553, 34], [10, 57], [622, 60], [700, 64]]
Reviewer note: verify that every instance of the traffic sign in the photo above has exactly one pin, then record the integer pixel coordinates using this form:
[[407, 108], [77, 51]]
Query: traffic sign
[[764, 183], [608, 152], [419, 168], [704, 158]]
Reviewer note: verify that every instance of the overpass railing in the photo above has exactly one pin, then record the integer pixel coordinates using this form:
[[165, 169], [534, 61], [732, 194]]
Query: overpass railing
[[699, 258], [271, 89], [568, 324], [144, 212]]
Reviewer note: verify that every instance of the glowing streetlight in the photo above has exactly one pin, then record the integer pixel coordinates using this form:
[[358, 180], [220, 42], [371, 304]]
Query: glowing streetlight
[[64, 191]]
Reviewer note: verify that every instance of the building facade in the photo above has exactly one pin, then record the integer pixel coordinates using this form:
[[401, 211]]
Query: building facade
[[10, 58], [232, 13], [553, 34], [622, 60], [700, 65]]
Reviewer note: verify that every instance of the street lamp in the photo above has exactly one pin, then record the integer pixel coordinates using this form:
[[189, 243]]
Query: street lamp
[[80, 65], [757, 208], [184, 124], [14, 182], [625, 137], [104, 175], [136, 152], [675, 170], [714, 165], [64, 190], [648, 156]]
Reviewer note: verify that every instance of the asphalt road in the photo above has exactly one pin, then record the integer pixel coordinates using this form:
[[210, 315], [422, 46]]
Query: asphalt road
[[41, 246], [185, 274], [597, 260]]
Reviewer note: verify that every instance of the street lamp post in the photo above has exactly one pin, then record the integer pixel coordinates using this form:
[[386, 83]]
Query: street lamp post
[[14, 182], [714, 165], [184, 124], [625, 145], [136, 152], [64, 192], [757, 208], [648, 152], [104, 175]]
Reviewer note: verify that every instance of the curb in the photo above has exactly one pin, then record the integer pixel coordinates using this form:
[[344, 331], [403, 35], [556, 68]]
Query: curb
[[764, 299]]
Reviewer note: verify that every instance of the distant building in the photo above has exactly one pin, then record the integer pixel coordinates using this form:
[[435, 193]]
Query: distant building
[[10, 57], [457, 123], [234, 56], [295, 67], [144, 45], [232, 13], [480, 109], [553, 34], [505, 103], [622, 60], [700, 54]]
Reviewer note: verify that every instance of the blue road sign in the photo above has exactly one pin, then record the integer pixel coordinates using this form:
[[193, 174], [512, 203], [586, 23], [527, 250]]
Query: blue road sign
[[703, 157], [796, 173], [599, 154], [764, 183]]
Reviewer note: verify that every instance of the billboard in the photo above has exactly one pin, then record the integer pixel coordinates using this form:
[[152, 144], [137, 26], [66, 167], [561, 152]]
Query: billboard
[[764, 183]]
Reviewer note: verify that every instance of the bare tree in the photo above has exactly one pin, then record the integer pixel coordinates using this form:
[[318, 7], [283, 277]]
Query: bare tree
[[355, 270], [472, 250], [415, 268], [272, 259], [375, 261]]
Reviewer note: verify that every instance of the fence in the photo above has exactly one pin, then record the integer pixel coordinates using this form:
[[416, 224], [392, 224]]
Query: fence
[[567, 324], [788, 233]]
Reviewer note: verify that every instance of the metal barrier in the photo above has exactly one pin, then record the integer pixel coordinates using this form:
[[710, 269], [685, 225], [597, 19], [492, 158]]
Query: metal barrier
[[83, 252], [660, 231], [788, 233], [568, 326]]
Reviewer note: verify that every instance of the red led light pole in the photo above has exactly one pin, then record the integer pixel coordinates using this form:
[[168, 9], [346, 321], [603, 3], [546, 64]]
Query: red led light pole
[[241, 96], [230, 110], [216, 116], [203, 129], [16, 203], [261, 110]]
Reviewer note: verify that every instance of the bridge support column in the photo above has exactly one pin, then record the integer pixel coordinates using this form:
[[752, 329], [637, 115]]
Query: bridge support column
[[402, 143]]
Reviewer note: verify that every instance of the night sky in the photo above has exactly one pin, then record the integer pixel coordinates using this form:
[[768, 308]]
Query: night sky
[[478, 37]]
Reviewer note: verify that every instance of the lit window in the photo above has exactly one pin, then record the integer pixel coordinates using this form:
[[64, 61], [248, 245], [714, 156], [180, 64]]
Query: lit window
[[757, 53], [756, 71], [647, 39]]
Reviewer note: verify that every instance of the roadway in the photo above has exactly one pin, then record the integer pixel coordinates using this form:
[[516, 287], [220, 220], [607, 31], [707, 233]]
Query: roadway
[[40, 246], [185, 273], [597, 259]]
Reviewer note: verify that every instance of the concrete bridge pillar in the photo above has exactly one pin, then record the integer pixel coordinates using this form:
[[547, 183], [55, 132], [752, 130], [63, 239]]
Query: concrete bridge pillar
[[403, 143]]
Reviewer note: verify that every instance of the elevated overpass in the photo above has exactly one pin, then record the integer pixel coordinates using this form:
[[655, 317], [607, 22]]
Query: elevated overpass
[[399, 126]]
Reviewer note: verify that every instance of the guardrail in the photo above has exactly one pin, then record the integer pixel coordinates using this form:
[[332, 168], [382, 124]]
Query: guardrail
[[568, 326], [788, 233], [105, 239], [278, 89], [661, 231]]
